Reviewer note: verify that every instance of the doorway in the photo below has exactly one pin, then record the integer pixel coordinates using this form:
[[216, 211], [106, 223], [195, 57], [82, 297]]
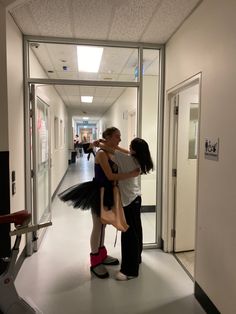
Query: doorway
[[40, 164], [134, 95], [184, 126]]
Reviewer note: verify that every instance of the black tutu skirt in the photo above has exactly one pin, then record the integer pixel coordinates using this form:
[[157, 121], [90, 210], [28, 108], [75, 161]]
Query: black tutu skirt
[[86, 196]]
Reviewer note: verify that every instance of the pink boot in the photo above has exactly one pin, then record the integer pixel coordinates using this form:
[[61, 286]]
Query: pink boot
[[96, 266], [106, 259]]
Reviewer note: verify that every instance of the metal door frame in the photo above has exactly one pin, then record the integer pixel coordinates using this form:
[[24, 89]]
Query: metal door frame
[[34, 239], [138, 85]]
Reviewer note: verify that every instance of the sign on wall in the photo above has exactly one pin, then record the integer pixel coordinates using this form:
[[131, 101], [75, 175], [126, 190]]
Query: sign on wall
[[212, 149]]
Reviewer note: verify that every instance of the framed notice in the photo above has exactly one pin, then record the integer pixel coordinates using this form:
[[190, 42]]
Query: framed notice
[[212, 148]]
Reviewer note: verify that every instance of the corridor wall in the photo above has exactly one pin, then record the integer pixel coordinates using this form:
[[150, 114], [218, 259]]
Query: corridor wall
[[206, 43], [117, 116], [12, 121], [59, 153], [15, 118]]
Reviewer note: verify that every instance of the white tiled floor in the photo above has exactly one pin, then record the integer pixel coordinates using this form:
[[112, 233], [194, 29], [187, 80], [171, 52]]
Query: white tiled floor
[[57, 278]]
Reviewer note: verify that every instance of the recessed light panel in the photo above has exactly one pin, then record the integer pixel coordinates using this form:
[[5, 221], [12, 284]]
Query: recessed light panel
[[89, 58]]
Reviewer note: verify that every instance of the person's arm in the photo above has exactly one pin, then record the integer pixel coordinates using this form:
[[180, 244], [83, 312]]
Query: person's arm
[[102, 145], [123, 150], [102, 159]]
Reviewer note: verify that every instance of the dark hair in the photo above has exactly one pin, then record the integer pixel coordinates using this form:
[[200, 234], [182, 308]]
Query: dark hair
[[109, 132], [142, 154]]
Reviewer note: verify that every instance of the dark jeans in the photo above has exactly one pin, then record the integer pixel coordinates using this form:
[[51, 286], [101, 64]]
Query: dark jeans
[[132, 239]]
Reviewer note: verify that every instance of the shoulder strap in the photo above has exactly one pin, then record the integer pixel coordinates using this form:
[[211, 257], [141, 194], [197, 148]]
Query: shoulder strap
[[108, 156]]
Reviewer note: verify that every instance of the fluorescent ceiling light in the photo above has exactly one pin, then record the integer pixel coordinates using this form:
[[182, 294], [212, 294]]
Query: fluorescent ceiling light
[[87, 99], [89, 58], [85, 118]]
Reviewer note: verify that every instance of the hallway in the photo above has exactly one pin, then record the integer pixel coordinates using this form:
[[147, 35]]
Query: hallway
[[57, 278]]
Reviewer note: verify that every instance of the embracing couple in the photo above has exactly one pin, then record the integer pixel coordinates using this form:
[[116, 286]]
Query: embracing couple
[[113, 163]]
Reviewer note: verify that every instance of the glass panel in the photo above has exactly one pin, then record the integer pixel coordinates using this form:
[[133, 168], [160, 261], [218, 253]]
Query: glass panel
[[110, 106], [103, 98], [149, 133], [61, 61], [43, 188], [193, 131]]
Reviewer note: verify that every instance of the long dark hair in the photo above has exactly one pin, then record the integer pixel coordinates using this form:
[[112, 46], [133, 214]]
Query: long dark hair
[[142, 154], [109, 132]]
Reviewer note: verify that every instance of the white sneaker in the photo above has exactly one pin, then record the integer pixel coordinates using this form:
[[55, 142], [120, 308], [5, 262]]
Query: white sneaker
[[122, 277]]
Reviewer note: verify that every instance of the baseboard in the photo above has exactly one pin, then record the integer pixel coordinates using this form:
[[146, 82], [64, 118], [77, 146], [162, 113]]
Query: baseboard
[[148, 209], [204, 300], [55, 192], [161, 244], [19, 262]]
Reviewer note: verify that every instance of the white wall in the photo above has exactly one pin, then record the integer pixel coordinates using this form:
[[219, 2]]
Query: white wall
[[149, 134], [3, 85], [206, 43], [57, 109], [116, 115], [16, 111]]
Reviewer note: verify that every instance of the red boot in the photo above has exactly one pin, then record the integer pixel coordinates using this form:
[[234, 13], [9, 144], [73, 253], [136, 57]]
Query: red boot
[[106, 259], [96, 266]]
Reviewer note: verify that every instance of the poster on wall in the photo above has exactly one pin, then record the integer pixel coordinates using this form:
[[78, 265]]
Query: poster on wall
[[44, 142], [43, 139]]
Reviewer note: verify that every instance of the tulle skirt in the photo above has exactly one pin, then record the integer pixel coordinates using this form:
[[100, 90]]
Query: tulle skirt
[[86, 196]]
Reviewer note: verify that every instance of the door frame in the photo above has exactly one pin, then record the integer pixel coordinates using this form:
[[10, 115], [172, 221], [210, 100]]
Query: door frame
[[136, 83], [34, 239], [168, 220]]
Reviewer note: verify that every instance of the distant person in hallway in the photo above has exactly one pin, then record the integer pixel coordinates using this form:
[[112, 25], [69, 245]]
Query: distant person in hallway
[[87, 149], [91, 151], [131, 240], [76, 144], [87, 195], [76, 140]]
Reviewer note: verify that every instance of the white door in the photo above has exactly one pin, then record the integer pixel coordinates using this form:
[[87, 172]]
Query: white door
[[40, 164], [186, 167]]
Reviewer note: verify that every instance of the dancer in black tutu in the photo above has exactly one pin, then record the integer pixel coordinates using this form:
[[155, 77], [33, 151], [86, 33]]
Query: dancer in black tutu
[[87, 196]]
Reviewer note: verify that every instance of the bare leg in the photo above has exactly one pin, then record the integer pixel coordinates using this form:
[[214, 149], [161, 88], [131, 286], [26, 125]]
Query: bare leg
[[96, 240], [97, 234]]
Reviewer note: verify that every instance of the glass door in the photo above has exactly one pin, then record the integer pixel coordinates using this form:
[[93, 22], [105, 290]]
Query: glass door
[[40, 159]]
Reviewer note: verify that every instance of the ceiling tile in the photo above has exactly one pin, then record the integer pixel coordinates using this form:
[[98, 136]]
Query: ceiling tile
[[168, 18], [92, 19], [131, 19], [151, 21]]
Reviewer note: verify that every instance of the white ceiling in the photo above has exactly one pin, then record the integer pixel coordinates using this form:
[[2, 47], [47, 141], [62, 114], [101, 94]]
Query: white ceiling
[[152, 21], [147, 21]]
